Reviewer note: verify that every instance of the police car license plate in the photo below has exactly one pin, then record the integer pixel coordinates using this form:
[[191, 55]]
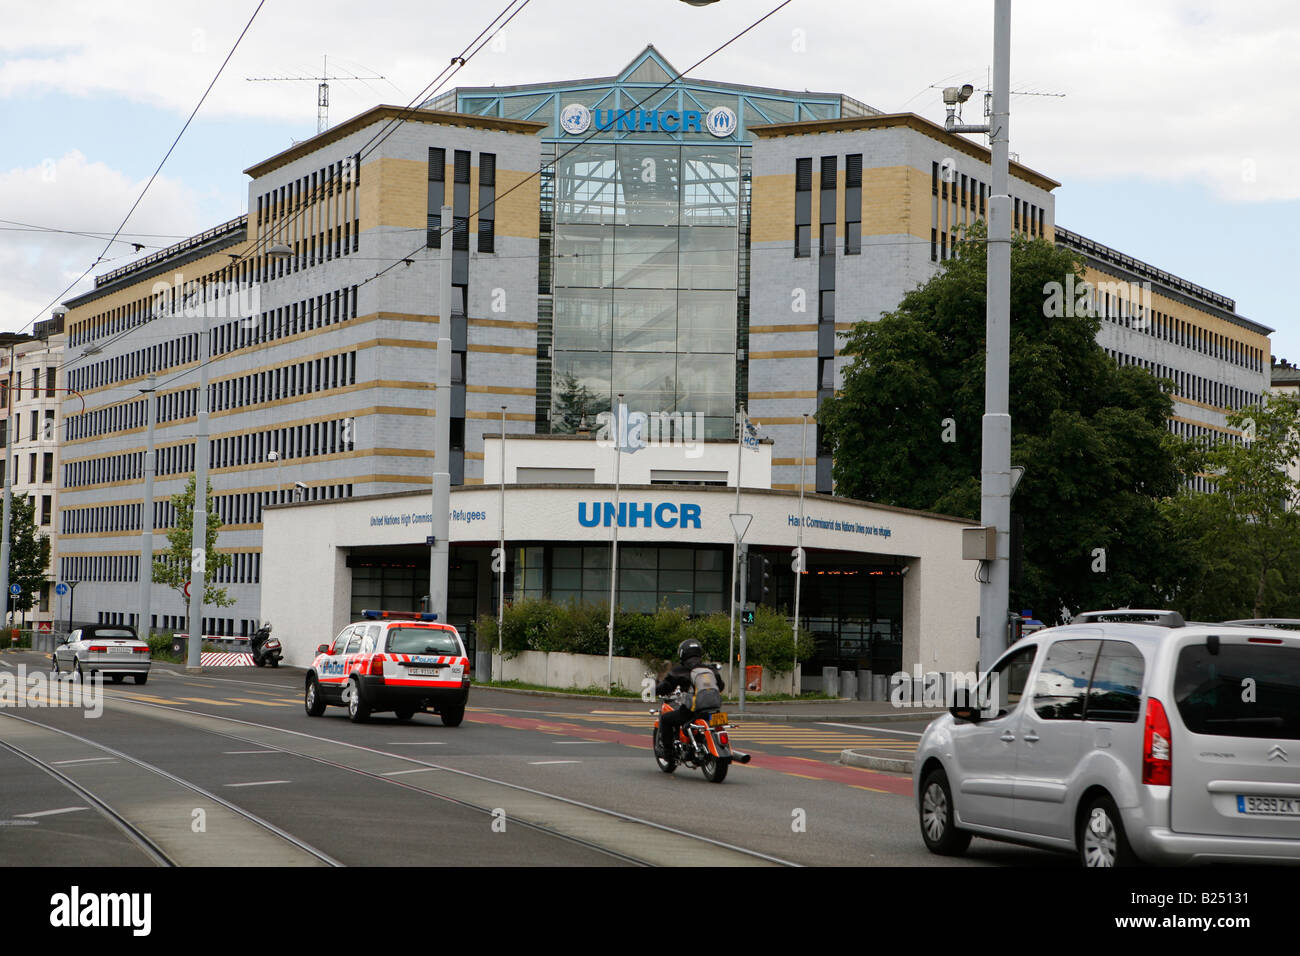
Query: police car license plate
[[425, 671]]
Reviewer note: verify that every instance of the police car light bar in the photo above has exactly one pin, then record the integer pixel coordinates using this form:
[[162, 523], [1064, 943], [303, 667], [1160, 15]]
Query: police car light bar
[[399, 615]]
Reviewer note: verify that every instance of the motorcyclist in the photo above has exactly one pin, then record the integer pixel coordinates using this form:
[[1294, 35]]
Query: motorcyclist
[[690, 655]]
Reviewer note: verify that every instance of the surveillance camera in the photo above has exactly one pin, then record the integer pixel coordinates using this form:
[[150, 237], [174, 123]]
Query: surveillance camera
[[273, 456], [300, 485], [952, 95]]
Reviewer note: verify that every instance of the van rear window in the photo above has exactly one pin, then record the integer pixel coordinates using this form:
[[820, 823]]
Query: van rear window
[[1244, 690]]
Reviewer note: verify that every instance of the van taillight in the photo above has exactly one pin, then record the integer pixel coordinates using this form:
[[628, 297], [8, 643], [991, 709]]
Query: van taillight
[[1157, 747], [376, 668]]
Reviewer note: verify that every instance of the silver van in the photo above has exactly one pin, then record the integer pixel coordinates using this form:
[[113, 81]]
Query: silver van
[[1159, 742]]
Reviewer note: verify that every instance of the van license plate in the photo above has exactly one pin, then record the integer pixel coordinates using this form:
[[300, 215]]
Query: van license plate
[[1268, 806], [422, 671]]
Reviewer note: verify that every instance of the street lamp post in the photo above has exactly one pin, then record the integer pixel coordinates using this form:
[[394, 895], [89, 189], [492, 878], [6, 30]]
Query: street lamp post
[[146, 513]]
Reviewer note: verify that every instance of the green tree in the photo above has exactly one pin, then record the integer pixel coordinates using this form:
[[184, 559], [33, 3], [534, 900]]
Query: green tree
[[173, 568], [29, 553], [1241, 542], [906, 427], [575, 402]]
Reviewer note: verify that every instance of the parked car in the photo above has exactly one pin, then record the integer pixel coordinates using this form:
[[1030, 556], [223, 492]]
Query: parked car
[[114, 650], [1157, 742]]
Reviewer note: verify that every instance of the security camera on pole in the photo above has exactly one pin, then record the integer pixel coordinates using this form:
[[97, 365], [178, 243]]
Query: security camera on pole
[[995, 464]]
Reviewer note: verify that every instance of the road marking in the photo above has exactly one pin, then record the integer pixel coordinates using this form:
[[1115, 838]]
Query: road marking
[[204, 700], [49, 813], [5, 664], [84, 760], [398, 773], [257, 783], [543, 763], [415, 743], [260, 703], [562, 743], [872, 789], [879, 730], [235, 752]]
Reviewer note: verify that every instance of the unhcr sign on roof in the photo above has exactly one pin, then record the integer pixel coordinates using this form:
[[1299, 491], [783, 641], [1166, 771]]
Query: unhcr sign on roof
[[720, 121]]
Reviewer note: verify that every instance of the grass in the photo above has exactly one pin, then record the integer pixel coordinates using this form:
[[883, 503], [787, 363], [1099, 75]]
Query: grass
[[592, 690]]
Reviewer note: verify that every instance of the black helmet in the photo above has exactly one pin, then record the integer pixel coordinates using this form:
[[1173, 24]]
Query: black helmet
[[689, 648]]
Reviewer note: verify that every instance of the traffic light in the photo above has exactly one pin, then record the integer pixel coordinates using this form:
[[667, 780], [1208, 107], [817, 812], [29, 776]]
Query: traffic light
[[758, 584]]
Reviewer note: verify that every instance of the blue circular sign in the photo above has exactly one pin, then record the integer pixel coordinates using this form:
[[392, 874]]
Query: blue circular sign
[[721, 121], [575, 119], [60, 589], [15, 589]]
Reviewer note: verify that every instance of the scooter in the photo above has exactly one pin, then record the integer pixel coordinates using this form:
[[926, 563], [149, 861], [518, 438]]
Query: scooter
[[266, 649], [702, 744]]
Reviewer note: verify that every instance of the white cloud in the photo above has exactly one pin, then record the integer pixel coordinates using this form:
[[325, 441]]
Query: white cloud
[[72, 193]]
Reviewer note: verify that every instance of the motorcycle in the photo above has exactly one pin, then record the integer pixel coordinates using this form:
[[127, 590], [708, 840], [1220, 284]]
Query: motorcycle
[[266, 649], [703, 743]]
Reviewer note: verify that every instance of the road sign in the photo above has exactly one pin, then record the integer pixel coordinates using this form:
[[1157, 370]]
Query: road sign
[[740, 522], [15, 589], [60, 589], [187, 588]]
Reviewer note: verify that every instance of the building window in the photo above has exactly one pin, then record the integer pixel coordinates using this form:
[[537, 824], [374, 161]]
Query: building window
[[437, 194], [803, 208], [853, 204], [487, 181]]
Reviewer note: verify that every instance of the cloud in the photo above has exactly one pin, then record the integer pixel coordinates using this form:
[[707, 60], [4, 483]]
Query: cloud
[[73, 193]]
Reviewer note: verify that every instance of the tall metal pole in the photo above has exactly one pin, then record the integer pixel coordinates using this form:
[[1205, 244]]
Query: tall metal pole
[[440, 556], [736, 594], [995, 468], [619, 425], [501, 578], [9, 488], [798, 574], [199, 536], [146, 514]]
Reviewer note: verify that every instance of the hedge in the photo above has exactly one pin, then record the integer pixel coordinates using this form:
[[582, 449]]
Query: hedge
[[582, 629]]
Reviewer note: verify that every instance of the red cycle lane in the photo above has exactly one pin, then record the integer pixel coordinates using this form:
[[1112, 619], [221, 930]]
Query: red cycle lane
[[860, 778]]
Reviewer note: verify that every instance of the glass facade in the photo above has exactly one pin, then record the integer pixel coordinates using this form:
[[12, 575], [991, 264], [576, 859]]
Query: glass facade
[[645, 281], [648, 577], [644, 237]]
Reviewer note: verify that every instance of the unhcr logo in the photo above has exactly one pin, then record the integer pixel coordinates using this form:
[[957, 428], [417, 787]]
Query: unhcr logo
[[644, 514]]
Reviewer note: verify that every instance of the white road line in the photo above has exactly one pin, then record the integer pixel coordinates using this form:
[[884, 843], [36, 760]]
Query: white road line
[[84, 760], [257, 783], [543, 763], [574, 743], [234, 752], [5, 664], [416, 743], [49, 813], [879, 730], [398, 773]]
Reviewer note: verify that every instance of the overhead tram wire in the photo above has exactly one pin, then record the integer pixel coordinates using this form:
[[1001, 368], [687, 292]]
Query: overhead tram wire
[[582, 142], [467, 54], [521, 182], [156, 171]]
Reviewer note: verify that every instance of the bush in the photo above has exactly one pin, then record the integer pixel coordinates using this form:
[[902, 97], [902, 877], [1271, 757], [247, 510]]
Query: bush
[[581, 629]]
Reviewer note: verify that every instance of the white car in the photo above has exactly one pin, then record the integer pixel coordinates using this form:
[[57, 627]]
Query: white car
[[1126, 742], [114, 650]]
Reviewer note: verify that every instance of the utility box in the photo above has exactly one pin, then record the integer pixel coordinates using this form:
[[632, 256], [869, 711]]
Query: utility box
[[979, 544]]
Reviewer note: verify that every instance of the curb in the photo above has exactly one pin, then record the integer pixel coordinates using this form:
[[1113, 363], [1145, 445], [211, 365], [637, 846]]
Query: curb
[[838, 718], [854, 758], [529, 692]]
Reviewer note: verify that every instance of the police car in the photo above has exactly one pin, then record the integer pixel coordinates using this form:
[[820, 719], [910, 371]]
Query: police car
[[391, 661]]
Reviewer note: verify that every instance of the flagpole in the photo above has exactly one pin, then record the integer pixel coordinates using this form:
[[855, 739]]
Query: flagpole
[[619, 425]]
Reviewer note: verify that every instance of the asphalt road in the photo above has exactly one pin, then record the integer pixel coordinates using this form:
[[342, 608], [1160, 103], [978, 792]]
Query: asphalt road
[[225, 768]]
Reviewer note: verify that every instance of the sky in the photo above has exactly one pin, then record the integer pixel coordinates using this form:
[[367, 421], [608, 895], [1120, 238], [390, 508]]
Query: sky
[[1174, 141]]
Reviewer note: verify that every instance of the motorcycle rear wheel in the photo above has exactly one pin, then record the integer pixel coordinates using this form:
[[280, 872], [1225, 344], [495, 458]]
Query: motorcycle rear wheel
[[715, 768], [666, 763]]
